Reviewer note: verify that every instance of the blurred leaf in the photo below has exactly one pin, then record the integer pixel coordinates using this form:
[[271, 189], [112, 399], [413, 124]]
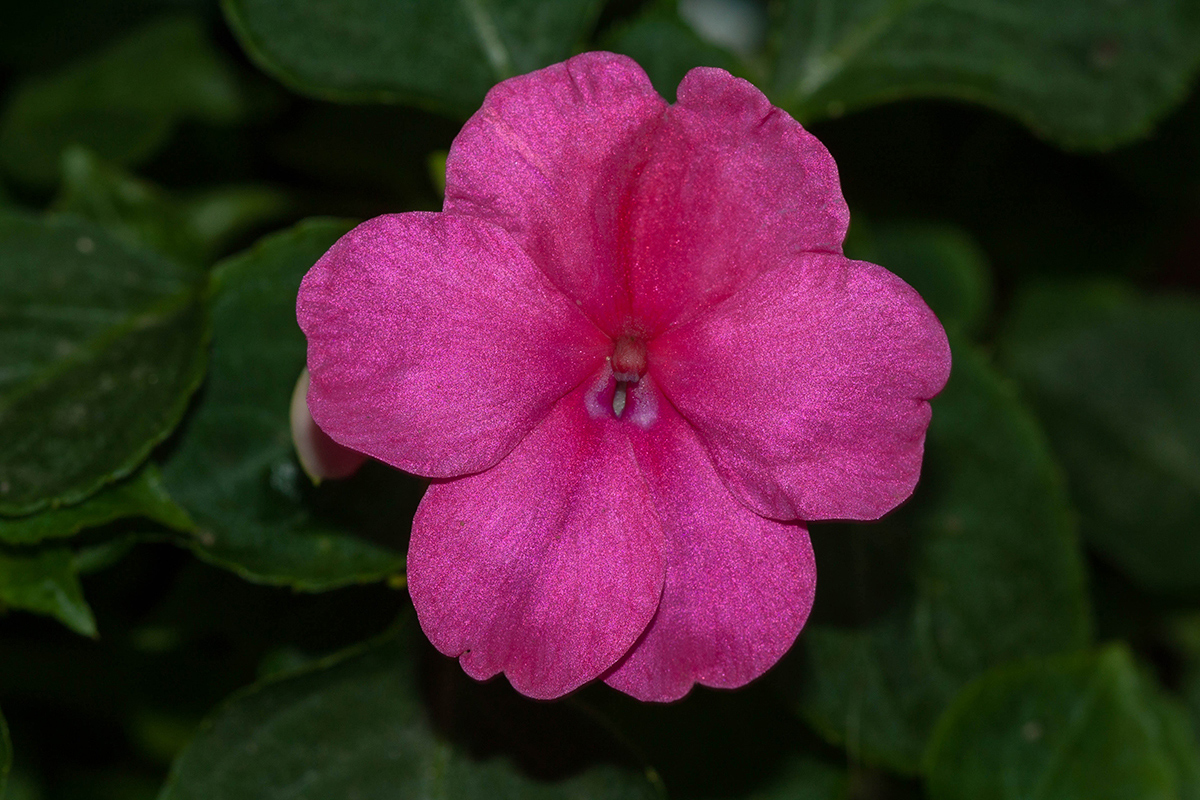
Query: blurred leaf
[[44, 581], [1185, 635], [442, 56], [941, 262], [1084, 73], [140, 495], [192, 230], [355, 726], [805, 778], [90, 558], [44, 35], [5, 755], [666, 47], [100, 347], [122, 102], [1083, 727], [720, 745], [234, 467], [21, 786], [1115, 380], [998, 575]]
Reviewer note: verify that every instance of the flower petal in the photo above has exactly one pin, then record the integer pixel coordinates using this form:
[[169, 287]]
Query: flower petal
[[435, 345], [810, 387], [550, 157], [546, 567], [733, 186], [738, 587]]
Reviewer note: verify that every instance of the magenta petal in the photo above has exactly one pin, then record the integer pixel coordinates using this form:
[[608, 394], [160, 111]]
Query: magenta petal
[[810, 387], [733, 186], [550, 157], [546, 567], [738, 588], [434, 344]]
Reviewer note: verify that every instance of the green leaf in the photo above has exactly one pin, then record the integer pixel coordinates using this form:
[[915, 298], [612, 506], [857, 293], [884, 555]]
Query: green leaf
[[805, 778], [140, 495], [101, 346], [234, 468], [192, 229], [44, 581], [443, 56], [355, 726], [1084, 73], [5, 755], [1084, 727], [941, 262], [666, 46], [1185, 635], [122, 102], [1114, 379], [998, 576]]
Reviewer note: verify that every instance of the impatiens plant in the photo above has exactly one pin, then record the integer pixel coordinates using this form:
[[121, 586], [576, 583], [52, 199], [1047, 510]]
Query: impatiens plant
[[633, 360], [592, 429]]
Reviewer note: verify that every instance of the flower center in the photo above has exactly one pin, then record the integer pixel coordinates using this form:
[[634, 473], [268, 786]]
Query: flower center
[[628, 365], [629, 359], [621, 389]]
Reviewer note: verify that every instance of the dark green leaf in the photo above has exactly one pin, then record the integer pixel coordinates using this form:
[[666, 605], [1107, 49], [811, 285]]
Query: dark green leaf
[[44, 581], [101, 555], [941, 262], [443, 56], [122, 102], [805, 778], [355, 726], [190, 229], [1114, 379], [5, 755], [100, 347], [140, 495], [666, 47], [1085, 73], [234, 468], [1186, 635], [998, 576], [1083, 727]]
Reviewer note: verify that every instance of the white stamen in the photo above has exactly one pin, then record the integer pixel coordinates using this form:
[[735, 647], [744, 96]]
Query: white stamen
[[619, 399]]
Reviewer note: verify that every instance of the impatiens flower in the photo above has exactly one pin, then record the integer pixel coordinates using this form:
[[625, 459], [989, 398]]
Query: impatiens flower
[[632, 357]]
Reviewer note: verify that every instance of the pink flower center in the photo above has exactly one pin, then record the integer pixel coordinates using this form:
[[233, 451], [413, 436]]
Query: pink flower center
[[619, 391], [629, 359]]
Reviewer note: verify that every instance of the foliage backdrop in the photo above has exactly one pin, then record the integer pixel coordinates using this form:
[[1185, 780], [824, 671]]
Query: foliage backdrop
[[183, 614]]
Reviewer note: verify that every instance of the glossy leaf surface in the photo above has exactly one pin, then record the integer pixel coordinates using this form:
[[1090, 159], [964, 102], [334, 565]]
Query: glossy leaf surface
[[44, 581], [1114, 379], [443, 56], [1085, 73], [101, 345], [140, 495], [1085, 727], [356, 726]]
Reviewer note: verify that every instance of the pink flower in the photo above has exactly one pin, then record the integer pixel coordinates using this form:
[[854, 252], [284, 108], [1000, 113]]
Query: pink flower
[[631, 356]]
